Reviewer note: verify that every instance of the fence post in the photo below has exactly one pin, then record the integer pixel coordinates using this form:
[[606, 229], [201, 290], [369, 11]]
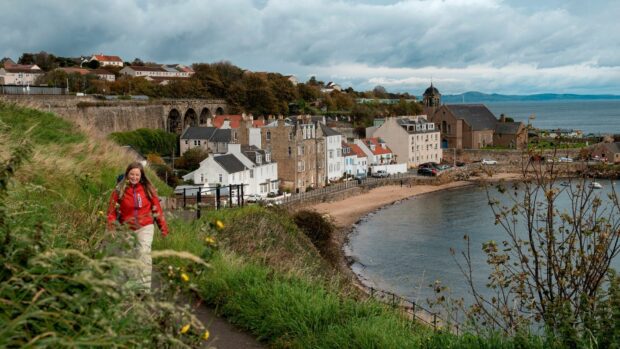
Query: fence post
[[217, 198], [184, 198], [198, 199], [435, 321]]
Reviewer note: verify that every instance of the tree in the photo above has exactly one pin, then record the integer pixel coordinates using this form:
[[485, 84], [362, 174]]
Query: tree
[[379, 91], [551, 265], [94, 64], [190, 160], [259, 99]]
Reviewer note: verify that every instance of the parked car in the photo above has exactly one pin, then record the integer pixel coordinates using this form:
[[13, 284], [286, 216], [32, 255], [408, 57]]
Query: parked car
[[380, 174], [429, 165], [565, 159], [427, 171], [489, 162], [361, 175], [253, 198]]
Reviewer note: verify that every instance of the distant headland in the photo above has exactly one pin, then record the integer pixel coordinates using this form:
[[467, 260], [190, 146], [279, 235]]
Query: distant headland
[[479, 97]]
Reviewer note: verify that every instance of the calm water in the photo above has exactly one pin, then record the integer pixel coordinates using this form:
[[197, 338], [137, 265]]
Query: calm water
[[405, 247], [590, 116]]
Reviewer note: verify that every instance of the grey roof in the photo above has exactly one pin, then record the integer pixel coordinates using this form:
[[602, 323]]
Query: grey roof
[[612, 147], [230, 163], [478, 116], [250, 151], [328, 131], [508, 127], [212, 134]]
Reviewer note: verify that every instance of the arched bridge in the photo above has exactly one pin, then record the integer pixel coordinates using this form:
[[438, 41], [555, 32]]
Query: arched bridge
[[181, 113]]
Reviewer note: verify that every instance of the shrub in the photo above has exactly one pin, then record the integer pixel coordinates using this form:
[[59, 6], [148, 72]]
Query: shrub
[[319, 230]]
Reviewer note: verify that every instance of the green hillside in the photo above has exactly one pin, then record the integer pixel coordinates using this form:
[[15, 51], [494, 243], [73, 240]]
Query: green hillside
[[61, 284]]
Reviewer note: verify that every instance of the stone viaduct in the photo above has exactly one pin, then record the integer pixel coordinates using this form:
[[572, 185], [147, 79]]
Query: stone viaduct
[[107, 116]]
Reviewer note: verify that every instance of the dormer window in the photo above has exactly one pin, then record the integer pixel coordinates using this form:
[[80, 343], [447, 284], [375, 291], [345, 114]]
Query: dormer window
[[259, 159], [267, 157]]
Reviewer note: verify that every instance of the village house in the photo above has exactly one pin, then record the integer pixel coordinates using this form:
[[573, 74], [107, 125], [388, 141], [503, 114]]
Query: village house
[[211, 139], [376, 150], [102, 74], [107, 60], [297, 145], [412, 139], [248, 166], [19, 74], [334, 162], [510, 134], [355, 160], [161, 74]]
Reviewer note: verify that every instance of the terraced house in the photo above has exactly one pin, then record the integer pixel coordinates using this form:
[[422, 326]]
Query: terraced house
[[297, 145]]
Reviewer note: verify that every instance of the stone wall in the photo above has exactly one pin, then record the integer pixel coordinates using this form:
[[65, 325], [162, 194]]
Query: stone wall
[[107, 116]]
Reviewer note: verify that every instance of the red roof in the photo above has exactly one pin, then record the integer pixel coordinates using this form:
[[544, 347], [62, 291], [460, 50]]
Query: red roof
[[235, 121], [357, 150], [104, 58], [379, 150]]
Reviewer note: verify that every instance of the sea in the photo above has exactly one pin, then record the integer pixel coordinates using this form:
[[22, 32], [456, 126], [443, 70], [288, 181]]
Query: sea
[[598, 117], [404, 248]]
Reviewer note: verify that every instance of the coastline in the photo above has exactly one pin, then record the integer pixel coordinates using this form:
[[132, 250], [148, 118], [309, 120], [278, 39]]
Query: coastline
[[346, 213]]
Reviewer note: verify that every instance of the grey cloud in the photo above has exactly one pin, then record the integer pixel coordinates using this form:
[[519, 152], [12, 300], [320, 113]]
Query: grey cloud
[[304, 36]]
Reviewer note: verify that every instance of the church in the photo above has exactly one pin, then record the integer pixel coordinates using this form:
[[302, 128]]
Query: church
[[471, 126]]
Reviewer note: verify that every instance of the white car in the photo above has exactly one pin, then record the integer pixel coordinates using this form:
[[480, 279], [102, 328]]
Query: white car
[[489, 162], [565, 159]]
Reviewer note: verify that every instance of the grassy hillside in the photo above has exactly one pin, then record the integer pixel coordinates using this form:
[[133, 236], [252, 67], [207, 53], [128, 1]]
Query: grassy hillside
[[61, 281]]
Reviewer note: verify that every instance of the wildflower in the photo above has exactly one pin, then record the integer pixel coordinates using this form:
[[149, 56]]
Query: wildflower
[[219, 224], [184, 277], [210, 240], [205, 335], [185, 328], [100, 213]]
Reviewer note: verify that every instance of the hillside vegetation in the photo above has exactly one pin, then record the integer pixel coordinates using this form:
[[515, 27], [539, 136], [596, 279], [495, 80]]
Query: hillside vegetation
[[60, 283]]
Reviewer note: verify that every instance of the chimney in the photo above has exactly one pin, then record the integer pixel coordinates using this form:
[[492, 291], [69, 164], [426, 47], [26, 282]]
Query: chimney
[[502, 118]]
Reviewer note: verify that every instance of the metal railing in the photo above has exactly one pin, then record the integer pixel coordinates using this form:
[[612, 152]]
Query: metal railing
[[414, 311]]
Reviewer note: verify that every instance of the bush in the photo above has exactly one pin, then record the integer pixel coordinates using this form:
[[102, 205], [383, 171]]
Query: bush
[[147, 140], [319, 230]]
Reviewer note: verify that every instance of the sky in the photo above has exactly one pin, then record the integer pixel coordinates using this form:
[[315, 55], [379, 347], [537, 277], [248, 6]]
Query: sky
[[492, 46]]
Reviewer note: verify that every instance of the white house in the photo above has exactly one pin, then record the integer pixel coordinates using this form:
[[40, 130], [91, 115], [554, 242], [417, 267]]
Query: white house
[[247, 166], [377, 151], [164, 71], [20, 74], [107, 60], [355, 160], [414, 140], [334, 162]]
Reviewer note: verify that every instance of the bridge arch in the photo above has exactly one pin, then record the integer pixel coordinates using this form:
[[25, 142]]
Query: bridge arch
[[173, 123], [219, 111], [191, 118], [205, 115]]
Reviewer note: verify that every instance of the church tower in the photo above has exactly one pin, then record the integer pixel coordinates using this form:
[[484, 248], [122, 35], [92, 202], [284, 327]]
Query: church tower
[[431, 97]]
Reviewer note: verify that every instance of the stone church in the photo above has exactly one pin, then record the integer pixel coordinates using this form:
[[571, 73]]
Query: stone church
[[471, 126]]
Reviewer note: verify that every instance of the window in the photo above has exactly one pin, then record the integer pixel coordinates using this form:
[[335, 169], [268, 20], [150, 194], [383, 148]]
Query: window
[[202, 178], [289, 152], [186, 142], [268, 137], [259, 159], [251, 173], [220, 177], [300, 166], [268, 156], [195, 142], [290, 136], [331, 154]]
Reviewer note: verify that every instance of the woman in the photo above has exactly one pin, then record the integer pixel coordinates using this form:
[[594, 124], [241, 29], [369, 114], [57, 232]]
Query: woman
[[135, 204]]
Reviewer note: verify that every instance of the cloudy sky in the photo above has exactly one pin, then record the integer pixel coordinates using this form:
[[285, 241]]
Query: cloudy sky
[[504, 46]]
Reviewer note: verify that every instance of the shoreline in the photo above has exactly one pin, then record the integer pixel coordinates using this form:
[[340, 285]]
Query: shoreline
[[347, 213]]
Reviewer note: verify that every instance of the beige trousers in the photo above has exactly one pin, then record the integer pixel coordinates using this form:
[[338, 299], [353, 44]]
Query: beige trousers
[[142, 252]]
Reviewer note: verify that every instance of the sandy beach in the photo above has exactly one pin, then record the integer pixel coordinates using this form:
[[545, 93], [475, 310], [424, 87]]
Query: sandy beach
[[347, 212]]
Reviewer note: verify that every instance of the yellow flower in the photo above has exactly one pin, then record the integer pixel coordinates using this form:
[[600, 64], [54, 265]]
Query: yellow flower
[[210, 240], [100, 213], [219, 224], [184, 277], [185, 328], [205, 335]]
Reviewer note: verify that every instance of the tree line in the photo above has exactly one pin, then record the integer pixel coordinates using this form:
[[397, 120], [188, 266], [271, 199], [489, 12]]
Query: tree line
[[258, 93]]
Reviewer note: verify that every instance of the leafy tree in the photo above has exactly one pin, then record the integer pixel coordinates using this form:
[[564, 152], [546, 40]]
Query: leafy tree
[[190, 160], [308, 92], [380, 91], [259, 99], [550, 267], [93, 64]]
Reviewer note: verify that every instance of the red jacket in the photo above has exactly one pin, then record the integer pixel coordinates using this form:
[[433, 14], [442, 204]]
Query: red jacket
[[136, 210]]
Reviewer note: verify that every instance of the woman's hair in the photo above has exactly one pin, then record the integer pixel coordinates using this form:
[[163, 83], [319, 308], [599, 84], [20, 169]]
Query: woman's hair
[[148, 187]]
